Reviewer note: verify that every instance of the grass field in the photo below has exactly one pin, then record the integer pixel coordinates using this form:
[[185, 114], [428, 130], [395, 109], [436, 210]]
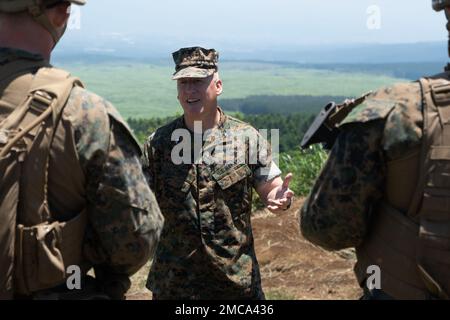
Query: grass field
[[144, 90]]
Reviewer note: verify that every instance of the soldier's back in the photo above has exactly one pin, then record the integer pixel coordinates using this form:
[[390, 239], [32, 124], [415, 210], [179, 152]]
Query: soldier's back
[[82, 166]]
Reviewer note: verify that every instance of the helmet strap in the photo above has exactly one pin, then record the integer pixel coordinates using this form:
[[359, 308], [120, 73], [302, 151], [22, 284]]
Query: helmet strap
[[38, 14]]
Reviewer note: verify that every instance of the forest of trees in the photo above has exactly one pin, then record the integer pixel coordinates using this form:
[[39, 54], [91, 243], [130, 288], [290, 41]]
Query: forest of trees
[[292, 127], [278, 104], [292, 115]]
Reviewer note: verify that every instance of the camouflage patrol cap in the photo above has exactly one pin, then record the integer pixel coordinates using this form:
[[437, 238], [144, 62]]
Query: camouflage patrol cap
[[11, 6], [439, 5], [195, 62]]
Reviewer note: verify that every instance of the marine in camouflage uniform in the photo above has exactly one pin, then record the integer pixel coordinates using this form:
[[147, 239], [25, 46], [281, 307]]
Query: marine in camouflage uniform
[[207, 248], [386, 127], [374, 168], [94, 166]]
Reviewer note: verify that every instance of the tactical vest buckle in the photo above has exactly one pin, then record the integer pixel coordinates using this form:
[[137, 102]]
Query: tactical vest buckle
[[40, 102]]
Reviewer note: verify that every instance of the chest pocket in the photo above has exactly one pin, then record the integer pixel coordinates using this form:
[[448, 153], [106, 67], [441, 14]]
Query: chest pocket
[[233, 195], [171, 182], [175, 180]]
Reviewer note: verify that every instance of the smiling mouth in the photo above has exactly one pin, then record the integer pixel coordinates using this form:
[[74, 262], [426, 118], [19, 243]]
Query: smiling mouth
[[192, 100]]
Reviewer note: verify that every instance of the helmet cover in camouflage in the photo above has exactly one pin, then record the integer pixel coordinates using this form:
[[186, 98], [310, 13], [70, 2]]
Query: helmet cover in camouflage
[[195, 62], [11, 6], [439, 5]]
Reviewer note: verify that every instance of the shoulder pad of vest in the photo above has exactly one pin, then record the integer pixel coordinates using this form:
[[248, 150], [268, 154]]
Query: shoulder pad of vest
[[440, 89], [49, 77], [369, 110]]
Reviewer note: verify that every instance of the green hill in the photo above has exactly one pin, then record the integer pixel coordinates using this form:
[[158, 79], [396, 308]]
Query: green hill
[[141, 90]]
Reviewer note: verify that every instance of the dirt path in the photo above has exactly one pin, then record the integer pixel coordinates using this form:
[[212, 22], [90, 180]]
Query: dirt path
[[291, 267]]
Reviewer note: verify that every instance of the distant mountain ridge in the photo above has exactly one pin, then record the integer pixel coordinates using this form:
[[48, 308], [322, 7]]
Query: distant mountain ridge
[[318, 54]]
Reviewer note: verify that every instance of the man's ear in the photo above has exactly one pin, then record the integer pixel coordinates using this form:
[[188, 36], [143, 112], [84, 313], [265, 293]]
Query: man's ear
[[219, 87], [59, 14]]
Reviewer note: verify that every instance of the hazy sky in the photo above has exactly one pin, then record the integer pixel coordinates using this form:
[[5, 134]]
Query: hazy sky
[[271, 22]]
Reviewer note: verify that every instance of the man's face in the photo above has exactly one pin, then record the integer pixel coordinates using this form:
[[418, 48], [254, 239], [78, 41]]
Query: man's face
[[198, 96]]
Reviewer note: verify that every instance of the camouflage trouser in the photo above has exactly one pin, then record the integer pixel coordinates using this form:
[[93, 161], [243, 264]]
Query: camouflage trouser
[[206, 287]]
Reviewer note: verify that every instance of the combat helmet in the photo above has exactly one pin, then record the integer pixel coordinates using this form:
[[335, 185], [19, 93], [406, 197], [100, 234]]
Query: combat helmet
[[439, 5]]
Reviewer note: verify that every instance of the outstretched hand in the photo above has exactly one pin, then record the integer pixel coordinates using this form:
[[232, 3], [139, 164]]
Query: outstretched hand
[[280, 198]]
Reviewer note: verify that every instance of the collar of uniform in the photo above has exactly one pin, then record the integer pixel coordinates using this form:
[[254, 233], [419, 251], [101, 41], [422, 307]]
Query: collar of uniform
[[11, 54], [223, 118]]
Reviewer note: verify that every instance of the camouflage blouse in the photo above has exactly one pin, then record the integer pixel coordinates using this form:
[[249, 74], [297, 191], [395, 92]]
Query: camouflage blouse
[[206, 249], [386, 127]]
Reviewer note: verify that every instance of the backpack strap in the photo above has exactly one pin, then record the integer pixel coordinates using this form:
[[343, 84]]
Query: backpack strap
[[49, 92], [47, 96], [417, 197], [61, 85], [43, 115]]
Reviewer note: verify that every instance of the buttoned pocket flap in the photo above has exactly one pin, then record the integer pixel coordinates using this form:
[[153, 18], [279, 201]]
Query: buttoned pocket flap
[[227, 178]]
